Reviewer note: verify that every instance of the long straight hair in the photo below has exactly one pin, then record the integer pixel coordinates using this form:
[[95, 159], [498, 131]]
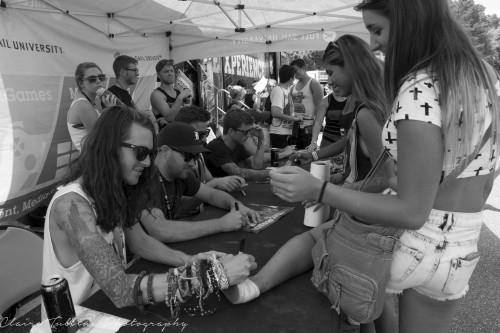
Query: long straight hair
[[355, 56], [116, 203], [425, 37]]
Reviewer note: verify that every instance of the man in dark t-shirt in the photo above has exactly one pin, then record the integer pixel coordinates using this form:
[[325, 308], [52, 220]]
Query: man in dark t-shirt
[[236, 152], [177, 148], [127, 75], [220, 154]]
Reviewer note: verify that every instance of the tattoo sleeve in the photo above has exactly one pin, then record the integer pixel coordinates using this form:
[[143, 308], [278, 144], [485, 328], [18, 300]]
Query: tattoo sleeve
[[248, 174], [76, 217]]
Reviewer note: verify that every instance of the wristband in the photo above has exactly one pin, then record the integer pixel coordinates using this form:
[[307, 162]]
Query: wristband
[[151, 299], [314, 155], [322, 192], [138, 291]]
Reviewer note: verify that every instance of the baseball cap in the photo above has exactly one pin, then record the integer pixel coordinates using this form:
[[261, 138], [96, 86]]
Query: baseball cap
[[181, 136]]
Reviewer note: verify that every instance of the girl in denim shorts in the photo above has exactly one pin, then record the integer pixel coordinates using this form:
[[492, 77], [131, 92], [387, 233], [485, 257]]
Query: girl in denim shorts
[[443, 98]]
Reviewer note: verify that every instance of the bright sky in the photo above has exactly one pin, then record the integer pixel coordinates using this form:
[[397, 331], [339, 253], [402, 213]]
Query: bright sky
[[492, 6]]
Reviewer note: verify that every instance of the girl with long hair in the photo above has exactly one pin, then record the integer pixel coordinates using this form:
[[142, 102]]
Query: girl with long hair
[[443, 98], [353, 68], [357, 74]]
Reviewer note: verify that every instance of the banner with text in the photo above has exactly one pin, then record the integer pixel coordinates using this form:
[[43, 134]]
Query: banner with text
[[39, 53]]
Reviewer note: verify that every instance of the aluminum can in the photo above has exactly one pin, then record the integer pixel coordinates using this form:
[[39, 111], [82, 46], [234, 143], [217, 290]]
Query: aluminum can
[[59, 305], [274, 157]]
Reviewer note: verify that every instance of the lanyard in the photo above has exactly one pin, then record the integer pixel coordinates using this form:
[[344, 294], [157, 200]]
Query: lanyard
[[88, 99], [170, 216]]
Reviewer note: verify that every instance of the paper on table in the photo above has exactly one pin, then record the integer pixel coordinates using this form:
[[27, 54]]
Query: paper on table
[[320, 170], [98, 322]]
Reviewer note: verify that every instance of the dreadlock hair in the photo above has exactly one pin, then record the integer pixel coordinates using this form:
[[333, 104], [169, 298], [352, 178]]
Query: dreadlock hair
[[116, 203]]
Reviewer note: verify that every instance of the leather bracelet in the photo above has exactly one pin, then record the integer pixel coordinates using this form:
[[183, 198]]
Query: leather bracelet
[[138, 291], [322, 192], [151, 299], [314, 155]]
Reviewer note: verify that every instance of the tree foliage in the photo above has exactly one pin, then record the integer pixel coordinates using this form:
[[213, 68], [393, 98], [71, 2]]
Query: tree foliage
[[312, 58], [484, 31]]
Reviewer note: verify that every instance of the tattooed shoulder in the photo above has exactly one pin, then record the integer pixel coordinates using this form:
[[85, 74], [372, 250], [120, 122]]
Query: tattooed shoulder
[[79, 209]]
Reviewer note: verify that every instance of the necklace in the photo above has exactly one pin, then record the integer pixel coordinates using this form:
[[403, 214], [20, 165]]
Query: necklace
[[170, 214]]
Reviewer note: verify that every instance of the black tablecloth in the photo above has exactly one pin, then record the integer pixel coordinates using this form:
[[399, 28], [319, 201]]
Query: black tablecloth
[[294, 306]]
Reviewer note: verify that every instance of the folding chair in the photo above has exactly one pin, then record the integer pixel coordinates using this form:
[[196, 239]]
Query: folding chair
[[21, 253]]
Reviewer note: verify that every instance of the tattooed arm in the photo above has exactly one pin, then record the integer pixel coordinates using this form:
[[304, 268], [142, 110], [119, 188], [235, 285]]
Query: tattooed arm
[[248, 174], [74, 215]]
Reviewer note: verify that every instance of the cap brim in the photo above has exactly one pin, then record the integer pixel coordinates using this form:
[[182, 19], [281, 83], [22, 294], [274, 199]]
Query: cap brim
[[196, 149]]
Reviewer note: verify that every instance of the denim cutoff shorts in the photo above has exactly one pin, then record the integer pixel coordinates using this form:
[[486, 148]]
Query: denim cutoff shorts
[[438, 259]]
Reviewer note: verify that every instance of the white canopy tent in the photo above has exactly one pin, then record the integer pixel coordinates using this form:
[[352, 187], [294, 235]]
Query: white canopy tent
[[203, 28], [42, 41]]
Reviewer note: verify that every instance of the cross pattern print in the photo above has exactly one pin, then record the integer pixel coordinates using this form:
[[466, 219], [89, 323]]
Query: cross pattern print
[[419, 99]]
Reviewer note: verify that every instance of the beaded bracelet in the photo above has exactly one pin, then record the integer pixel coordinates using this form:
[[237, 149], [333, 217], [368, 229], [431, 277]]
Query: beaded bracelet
[[149, 290], [138, 292], [322, 192], [167, 287], [220, 274]]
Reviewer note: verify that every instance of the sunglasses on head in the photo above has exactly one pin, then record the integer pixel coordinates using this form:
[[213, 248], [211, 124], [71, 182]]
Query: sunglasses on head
[[140, 152], [187, 156], [331, 46], [94, 78]]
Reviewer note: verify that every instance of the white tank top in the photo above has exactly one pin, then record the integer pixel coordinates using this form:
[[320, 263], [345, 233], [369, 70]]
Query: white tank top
[[78, 134], [81, 283], [304, 97]]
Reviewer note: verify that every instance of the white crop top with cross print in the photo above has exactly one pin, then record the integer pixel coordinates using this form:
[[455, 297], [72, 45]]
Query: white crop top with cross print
[[418, 100]]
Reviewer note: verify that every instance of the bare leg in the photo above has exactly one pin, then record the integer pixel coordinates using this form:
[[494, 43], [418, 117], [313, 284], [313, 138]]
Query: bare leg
[[292, 259], [419, 313], [387, 320]]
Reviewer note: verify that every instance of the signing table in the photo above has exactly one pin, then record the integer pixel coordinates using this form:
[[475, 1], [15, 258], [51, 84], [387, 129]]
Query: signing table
[[294, 306]]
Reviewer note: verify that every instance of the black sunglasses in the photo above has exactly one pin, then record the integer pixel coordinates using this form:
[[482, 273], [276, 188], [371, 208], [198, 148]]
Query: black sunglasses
[[187, 156], [203, 134], [140, 152], [94, 78]]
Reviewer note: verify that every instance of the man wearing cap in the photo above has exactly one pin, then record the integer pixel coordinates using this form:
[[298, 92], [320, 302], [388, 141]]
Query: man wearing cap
[[177, 148], [236, 147]]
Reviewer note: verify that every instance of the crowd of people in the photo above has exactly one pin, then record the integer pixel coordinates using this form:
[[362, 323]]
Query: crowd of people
[[428, 104]]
